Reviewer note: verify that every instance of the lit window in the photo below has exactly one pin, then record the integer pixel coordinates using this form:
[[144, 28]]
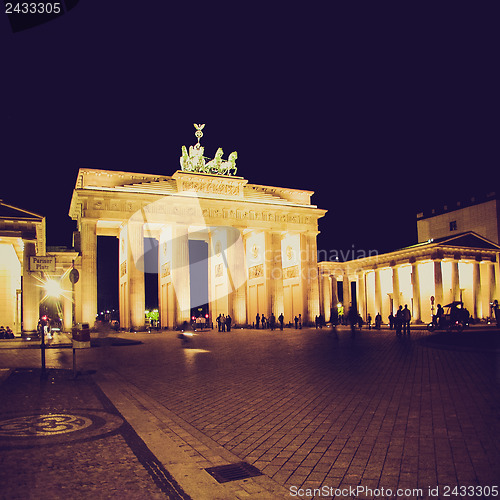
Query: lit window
[[453, 225]]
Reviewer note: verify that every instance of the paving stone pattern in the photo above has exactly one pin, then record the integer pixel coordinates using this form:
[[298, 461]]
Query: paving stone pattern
[[100, 461]]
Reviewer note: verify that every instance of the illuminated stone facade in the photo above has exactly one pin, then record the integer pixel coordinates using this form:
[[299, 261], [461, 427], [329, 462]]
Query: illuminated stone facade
[[22, 234], [261, 240], [22, 279], [462, 267], [479, 214]]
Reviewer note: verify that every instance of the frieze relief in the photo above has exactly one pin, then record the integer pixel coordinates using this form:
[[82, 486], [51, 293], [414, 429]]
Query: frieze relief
[[98, 204], [219, 270], [114, 205], [168, 208], [211, 186], [256, 271], [290, 272], [165, 270]]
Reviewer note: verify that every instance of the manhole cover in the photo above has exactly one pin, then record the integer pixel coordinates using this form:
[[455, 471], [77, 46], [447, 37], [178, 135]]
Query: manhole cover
[[43, 425], [233, 472], [23, 430]]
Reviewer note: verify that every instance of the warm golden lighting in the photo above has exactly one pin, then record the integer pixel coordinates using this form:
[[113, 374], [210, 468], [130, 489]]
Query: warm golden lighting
[[53, 288]]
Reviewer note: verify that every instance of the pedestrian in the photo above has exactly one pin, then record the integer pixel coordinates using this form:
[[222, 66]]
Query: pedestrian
[[378, 321], [223, 323], [316, 321], [257, 321], [263, 322], [218, 323], [300, 321], [281, 319], [352, 316], [406, 320], [228, 323], [399, 321], [272, 322], [391, 321], [335, 317], [496, 313], [439, 317], [369, 321], [296, 321]]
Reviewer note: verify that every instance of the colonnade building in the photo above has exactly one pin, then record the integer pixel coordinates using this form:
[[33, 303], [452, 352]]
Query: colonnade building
[[453, 267], [28, 269]]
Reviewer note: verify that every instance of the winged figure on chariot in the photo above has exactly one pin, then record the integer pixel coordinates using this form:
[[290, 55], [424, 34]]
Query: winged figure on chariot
[[195, 161]]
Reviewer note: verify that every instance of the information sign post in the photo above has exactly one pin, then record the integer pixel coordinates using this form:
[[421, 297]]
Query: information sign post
[[81, 340]]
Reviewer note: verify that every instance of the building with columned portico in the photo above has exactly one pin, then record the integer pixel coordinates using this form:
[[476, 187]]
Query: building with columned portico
[[462, 267], [456, 259]]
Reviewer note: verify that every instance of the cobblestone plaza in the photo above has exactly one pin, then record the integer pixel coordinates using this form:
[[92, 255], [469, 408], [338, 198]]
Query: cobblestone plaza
[[308, 408]]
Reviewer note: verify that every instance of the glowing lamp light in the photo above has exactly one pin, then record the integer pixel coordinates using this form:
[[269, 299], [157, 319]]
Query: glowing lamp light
[[53, 288]]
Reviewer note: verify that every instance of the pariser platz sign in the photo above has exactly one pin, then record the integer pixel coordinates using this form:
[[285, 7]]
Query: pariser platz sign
[[46, 264]]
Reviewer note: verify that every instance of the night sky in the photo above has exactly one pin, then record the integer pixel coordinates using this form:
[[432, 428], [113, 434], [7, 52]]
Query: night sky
[[381, 108]]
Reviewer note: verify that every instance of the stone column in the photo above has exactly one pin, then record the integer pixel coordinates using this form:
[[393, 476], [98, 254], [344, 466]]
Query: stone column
[[395, 289], [211, 296], [135, 232], [31, 296], [362, 295], [492, 284], [180, 272], [326, 289], [309, 278], [67, 306], [88, 237], [497, 277], [455, 281], [415, 284], [476, 290], [346, 290], [378, 294], [237, 277], [335, 298], [438, 282]]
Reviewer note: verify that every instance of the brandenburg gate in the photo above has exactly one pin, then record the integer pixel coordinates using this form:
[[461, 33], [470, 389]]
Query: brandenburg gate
[[262, 255]]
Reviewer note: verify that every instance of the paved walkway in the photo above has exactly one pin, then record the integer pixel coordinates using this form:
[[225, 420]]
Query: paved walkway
[[358, 417]]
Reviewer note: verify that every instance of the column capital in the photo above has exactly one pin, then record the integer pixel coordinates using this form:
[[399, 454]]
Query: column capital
[[437, 255]]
